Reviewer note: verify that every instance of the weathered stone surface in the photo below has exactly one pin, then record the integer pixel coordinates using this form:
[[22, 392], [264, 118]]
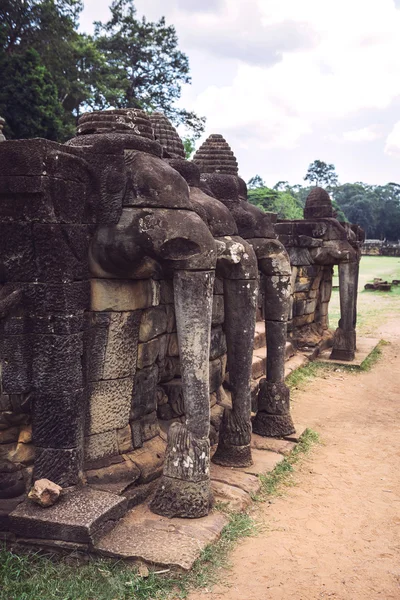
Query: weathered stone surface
[[12, 482], [154, 322], [218, 310], [145, 536], [75, 518], [144, 399], [174, 392], [57, 363], [99, 445], [59, 465], [126, 473], [149, 426], [216, 378], [217, 343], [122, 344], [45, 493], [109, 405], [232, 496], [272, 444], [148, 353], [124, 439], [49, 409], [119, 295], [263, 462], [149, 459], [235, 477]]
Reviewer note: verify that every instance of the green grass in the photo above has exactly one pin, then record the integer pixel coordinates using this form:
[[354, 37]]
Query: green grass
[[283, 472], [301, 376], [32, 576], [373, 307]]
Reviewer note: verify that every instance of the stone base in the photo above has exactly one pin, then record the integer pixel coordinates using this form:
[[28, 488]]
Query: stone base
[[78, 516], [143, 536], [268, 425], [342, 354], [232, 456], [364, 348], [179, 498]]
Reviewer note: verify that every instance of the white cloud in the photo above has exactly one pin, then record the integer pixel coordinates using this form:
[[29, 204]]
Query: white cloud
[[365, 134], [392, 147], [288, 74]]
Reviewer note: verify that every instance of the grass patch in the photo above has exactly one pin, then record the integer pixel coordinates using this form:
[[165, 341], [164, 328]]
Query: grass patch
[[298, 378], [373, 358], [283, 472], [32, 576]]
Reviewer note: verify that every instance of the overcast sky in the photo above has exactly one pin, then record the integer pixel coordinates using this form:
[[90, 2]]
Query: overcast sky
[[290, 81]]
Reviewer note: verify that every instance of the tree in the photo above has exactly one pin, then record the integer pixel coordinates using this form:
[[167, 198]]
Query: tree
[[34, 110], [189, 144], [144, 65], [255, 182], [127, 63], [321, 173], [283, 203]]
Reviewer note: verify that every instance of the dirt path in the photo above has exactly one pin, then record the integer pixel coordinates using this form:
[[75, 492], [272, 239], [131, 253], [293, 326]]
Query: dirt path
[[336, 534]]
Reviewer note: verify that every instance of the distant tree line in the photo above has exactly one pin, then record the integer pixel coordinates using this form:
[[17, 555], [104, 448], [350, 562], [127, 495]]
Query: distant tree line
[[50, 72], [376, 208]]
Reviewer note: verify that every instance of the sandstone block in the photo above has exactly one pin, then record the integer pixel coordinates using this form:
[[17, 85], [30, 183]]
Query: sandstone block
[[109, 404], [76, 517], [101, 445], [218, 313], [148, 353], [121, 350], [144, 399], [61, 466], [124, 439], [127, 295], [154, 322]]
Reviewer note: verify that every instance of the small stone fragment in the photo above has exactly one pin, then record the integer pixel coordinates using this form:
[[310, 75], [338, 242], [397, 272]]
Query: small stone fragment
[[45, 493]]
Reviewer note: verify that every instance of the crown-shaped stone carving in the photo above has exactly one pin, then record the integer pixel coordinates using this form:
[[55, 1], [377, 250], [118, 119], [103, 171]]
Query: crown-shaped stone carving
[[216, 156], [123, 120], [318, 204], [166, 135]]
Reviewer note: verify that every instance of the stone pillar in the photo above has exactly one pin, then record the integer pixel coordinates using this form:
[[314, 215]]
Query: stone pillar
[[273, 417], [184, 490], [344, 344], [240, 299]]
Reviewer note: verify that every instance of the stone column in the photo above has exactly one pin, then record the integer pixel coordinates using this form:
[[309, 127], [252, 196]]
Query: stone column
[[344, 344], [184, 490], [240, 299], [273, 417]]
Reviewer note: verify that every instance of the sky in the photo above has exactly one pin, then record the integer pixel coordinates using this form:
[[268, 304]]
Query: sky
[[287, 82]]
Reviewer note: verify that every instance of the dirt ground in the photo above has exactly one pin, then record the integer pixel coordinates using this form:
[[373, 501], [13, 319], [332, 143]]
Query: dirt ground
[[336, 533]]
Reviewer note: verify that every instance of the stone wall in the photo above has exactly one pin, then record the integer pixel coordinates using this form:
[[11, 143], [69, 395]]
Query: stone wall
[[380, 248]]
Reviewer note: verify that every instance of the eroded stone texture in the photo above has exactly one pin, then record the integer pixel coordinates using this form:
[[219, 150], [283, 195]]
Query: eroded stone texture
[[234, 305], [220, 175], [315, 245]]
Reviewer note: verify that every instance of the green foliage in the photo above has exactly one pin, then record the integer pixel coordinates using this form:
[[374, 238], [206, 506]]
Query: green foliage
[[189, 144], [321, 173], [34, 110], [285, 204], [375, 208], [127, 63], [255, 183]]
